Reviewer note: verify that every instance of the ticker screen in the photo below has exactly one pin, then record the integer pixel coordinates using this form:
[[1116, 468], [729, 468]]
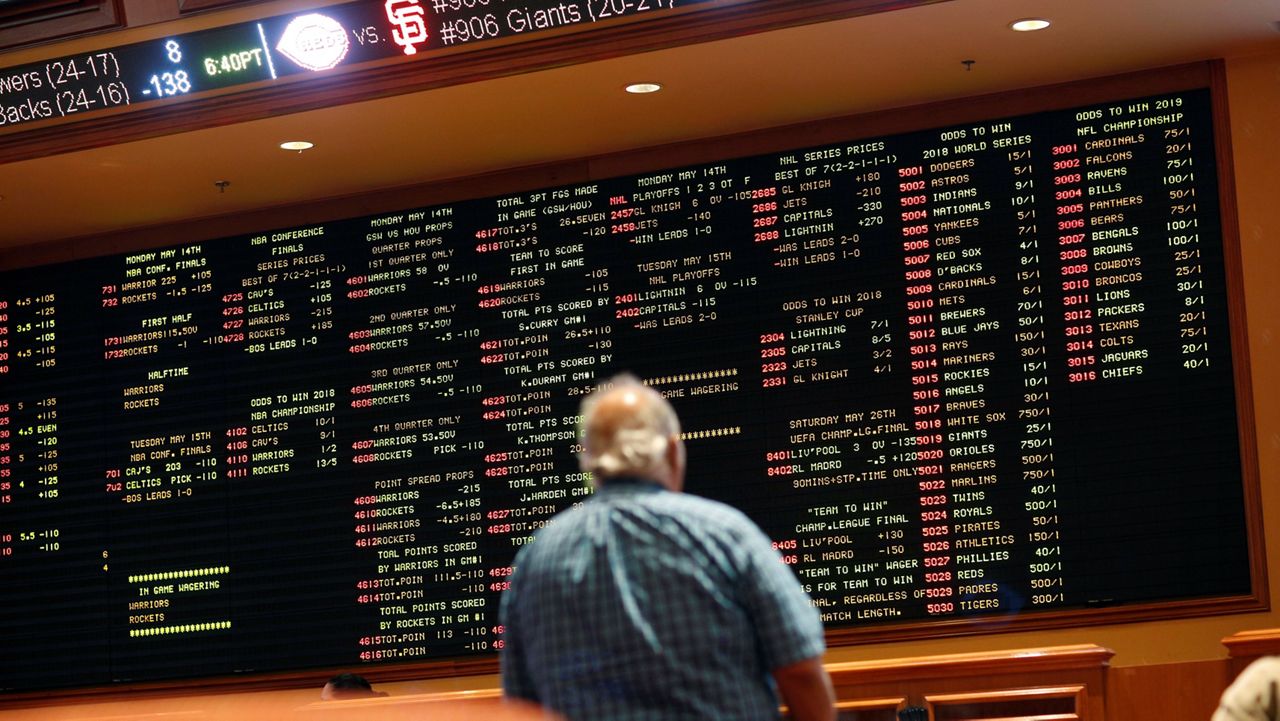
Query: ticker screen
[[300, 44], [975, 372]]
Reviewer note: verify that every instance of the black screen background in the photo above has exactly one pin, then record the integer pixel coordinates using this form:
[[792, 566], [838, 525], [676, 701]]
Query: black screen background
[[1148, 499]]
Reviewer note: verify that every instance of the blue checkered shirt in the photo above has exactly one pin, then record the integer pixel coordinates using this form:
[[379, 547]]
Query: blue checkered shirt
[[648, 604]]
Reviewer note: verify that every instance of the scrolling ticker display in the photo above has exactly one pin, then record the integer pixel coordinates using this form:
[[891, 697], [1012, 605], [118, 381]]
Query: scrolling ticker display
[[974, 372], [302, 43]]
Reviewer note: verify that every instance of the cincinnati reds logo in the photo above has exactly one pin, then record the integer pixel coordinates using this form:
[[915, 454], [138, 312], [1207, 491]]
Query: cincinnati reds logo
[[314, 41]]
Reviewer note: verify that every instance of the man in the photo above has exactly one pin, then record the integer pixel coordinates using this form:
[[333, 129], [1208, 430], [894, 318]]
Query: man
[[645, 603], [1255, 695]]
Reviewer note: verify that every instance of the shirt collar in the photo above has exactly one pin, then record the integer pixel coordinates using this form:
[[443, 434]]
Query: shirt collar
[[629, 484]]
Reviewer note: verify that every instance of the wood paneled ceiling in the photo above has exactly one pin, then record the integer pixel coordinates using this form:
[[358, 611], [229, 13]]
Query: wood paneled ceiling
[[766, 79]]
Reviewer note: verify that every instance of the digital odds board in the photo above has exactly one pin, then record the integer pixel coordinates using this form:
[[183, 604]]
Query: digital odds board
[[980, 372]]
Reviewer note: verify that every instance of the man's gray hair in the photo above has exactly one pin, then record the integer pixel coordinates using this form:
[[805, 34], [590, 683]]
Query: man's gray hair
[[631, 442]]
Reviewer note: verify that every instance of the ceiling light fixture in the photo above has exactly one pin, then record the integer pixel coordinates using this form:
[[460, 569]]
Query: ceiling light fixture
[[298, 145], [643, 88], [1027, 25]]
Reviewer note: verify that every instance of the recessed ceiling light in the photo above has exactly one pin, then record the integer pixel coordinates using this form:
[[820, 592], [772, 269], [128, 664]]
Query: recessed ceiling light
[[298, 145], [1026, 25], [643, 88]]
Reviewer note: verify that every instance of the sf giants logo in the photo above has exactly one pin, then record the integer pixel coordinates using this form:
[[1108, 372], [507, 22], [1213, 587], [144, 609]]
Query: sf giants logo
[[410, 27]]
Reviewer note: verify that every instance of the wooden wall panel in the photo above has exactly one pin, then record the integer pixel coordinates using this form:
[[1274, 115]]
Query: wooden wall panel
[[1045, 703], [1166, 692], [872, 709]]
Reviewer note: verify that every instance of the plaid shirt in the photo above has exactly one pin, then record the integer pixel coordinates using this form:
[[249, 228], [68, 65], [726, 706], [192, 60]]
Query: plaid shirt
[[648, 604]]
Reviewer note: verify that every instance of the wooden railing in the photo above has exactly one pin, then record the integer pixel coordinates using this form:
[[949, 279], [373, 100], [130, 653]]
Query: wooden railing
[[1065, 683], [1248, 646], [1046, 684]]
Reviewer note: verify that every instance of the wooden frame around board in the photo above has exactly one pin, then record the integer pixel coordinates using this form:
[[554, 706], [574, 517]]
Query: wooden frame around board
[[1115, 88]]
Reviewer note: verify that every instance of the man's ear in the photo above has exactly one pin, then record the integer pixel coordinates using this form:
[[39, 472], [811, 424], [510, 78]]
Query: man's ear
[[675, 461]]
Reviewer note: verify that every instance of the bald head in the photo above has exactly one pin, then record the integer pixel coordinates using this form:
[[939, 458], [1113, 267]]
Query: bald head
[[629, 429]]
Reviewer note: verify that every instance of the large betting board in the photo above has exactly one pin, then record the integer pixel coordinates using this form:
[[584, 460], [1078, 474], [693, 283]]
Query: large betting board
[[976, 373]]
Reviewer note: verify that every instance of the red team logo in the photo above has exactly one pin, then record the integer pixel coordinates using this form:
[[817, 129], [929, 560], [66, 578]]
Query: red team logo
[[410, 26]]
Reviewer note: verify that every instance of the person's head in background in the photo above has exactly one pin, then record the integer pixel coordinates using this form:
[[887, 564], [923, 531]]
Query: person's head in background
[[347, 686], [630, 430]]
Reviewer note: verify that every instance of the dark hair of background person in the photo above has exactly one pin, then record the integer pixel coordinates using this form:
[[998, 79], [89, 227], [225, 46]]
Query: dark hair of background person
[[347, 686]]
